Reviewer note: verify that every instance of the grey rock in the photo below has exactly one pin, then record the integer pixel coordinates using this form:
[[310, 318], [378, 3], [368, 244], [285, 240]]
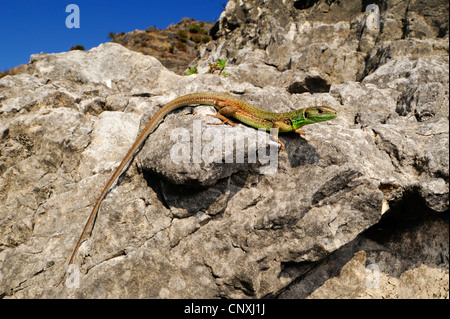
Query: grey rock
[[339, 197], [337, 38]]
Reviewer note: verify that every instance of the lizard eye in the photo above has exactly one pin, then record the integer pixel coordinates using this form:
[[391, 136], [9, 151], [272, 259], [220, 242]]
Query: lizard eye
[[319, 110], [287, 122]]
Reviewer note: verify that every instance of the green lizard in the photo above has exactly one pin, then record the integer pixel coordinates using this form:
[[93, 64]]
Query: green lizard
[[227, 106]]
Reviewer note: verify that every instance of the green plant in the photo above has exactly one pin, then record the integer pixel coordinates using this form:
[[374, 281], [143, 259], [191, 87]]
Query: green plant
[[219, 65], [171, 48], [192, 70]]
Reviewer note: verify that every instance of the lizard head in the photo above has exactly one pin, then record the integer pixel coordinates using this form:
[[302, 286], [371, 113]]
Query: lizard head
[[311, 115]]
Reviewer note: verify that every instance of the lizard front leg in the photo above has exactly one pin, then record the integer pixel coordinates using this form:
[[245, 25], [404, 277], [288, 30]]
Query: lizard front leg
[[300, 132], [276, 126]]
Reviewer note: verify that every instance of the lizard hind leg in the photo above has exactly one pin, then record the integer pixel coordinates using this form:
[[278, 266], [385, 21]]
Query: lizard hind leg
[[223, 115], [223, 118]]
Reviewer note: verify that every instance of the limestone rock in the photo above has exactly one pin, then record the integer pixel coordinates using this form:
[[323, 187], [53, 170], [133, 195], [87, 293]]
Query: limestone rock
[[336, 38], [369, 186]]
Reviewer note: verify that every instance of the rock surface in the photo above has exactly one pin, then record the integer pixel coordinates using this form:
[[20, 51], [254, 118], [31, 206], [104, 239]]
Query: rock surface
[[357, 208]]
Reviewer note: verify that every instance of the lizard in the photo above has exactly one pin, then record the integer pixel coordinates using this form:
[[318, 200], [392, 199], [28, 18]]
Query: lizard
[[227, 106]]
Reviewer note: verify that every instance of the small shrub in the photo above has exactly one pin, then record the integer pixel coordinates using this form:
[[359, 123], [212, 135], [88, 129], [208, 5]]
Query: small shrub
[[181, 46], [111, 35], [198, 29], [182, 35], [195, 29], [77, 47], [195, 39]]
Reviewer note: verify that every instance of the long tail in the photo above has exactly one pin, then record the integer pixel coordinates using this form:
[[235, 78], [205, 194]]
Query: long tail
[[190, 99]]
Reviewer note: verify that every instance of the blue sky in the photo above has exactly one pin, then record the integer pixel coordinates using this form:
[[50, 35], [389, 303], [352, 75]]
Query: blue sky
[[34, 26]]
